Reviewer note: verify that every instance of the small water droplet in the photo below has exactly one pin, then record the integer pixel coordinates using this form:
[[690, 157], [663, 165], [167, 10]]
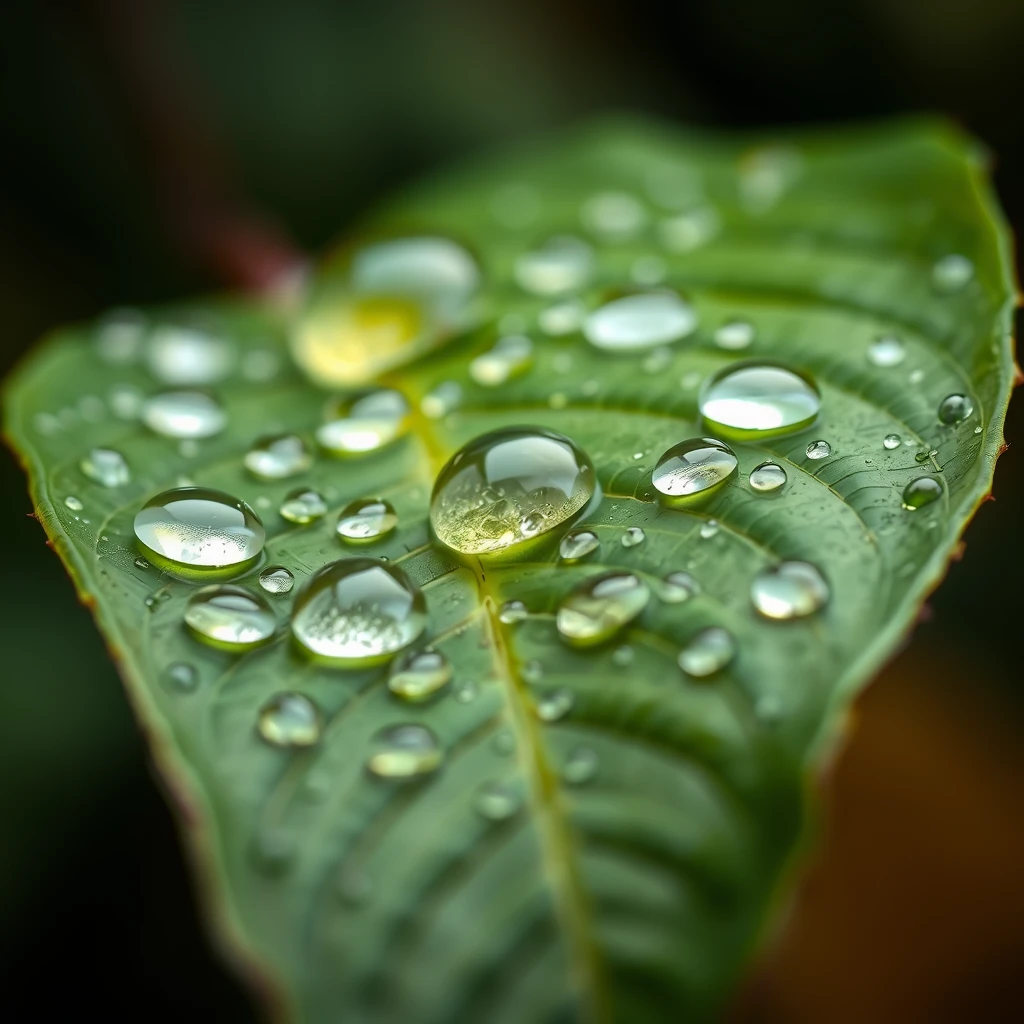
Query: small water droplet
[[657, 361], [577, 544], [818, 450], [554, 705], [497, 801], [366, 520], [276, 579], [229, 618], [562, 264], [735, 335], [640, 321], [688, 231], [891, 442], [977, 429], [441, 400], [290, 720], [926, 455], [709, 651], [632, 536], [751, 400], [466, 692], [952, 273], [73, 503], [920, 492], [303, 506], [622, 656], [404, 751], [418, 675], [558, 400], [678, 587], [509, 357], [600, 607], [614, 216], [954, 409], [532, 671], [513, 611], [184, 414], [888, 350], [106, 467], [364, 422], [709, 529], [562, 318], [183, 355], [648, 270], [767, 477], [278, 456], [916, 376], [580, 766], [181, 677], [694, 468], [789, 590]]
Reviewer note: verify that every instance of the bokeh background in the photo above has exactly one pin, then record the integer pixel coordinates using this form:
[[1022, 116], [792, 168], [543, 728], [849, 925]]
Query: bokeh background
[[137, 135]]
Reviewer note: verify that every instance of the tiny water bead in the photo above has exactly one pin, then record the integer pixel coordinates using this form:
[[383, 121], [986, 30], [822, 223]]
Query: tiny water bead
[[418, 675], [180, 677], [466, 692], [790, 590], [184, 355], [767, 477], [708, 652], [954, 409], [106, 467], [497, 800], [404, 752], [920, 492], [678, 587], [657, 360], [73, 503], [640, 321], [508, 487], [276, 579], [278, 456], [632, 536], [562, 318], [509, 357], [303, 506], [199, 528], [562, 264], [364, 422], [577, 544], [952, 273], [442, 399], [615, 216], [734, 335], [751, 400], [696, 467], [184, 414], [709, 529], [358, 611], [580, 766], [688, 231], [554, 705], [366, 520], [891, 442], [229, 618], [818, 450], [888, 350], [290, 720], [512, 612], [600, 607]]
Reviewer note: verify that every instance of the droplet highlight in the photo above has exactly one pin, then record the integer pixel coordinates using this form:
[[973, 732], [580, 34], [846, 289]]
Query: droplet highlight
[[404, 752], [695, 468], [290, 720], [364, 423], [640, 321], [601, 607], [708, 652], [921, 492], [577, 544], [954, 409], [366, 520], [790, 590], [106, 467], [276, 579], [229, 618], [818, 450], [184, 414], [767, 478], [303, 506], [277, 457]]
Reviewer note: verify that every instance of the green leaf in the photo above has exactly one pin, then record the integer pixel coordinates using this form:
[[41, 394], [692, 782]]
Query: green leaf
[[638, 893]]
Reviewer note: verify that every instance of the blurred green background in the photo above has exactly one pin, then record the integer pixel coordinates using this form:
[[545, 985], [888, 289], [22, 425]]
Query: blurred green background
[[117, 115]]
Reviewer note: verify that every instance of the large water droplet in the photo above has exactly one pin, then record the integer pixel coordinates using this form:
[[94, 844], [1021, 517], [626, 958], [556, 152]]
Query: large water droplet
[[419, 674], [182, 355], [554, 705], [290, 720], [818, 450], [891, 442], [952, 273], [954, 409], [358, 611], [577, 544], [106, 467], [767, 477], [755, 399], [709, 651], [276, 579], [887, 350], [562, 264], [632, 536], [508, 487], [303, 506], [366, 520], [789, 590], [278, 456], [694, 468], [184, 414], [920, 492], [364, 422], [507, 358], [599, 607], [640, 321], [734, 335], [230, 618], [199, 528], [404, 751]]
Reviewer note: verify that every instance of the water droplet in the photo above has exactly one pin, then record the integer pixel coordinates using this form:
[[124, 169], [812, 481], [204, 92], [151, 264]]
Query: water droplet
[[648, 270], [580, 766], [366, 520], [600, 607], [577, 544], [632, 536], [708, 652], [106, 467], [767, 477], [278, 456], [756, 400], [532, 671], [73, 503], [735, 335], [303, 506], [920, 492], [504, 743], [891, 442], [562, 318], [419, 674], [182, 355], [562, 264], [364, 422], [789, 590], [180, 677], [615, 216], [690, 230], [509, 357], [441, 400], [230, 618], [404, 751], [508, 487], [466, 692], [818, 450], [640, 321], [977, 429], [184, 414], [290, 720], [512, 612], [199, 528], [916, 376], [119, 336], [554, 705], [952, 273], [709, 529], [954, 409], [888, 350], [497, 800], [694, 468], [276, 579], [358, 611], [622, 656]]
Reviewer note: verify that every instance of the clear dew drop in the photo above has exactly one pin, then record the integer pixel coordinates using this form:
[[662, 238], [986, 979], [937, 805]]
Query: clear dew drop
[[180, 677], [106, 467], [404, 752], [73, 503], [562, 264], [891, 442], [184, 414], [508, 487], [952, 273], [364, 422], [632, 536], [418, 675], [554, 705], [466, 692], [278, 456], [600, 607], [753, 400], [790, 590], [497, 800], [734, 335], [178, 356], [920, 492], [818, 450], [442, 399], [614, 216], [678, 587], [277, 579], [512, 612], [709, 529], [640, 321], [577, 544], [358, 611], [708, 652], [366, 520], [954, 409], [303, 506], [767, 477], [229, 618], [509, 357], [694, 468], [580, 766], [888, 350], [199, 528], [290, 720]]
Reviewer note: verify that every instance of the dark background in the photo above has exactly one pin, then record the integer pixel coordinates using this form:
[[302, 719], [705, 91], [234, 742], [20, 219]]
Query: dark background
[[130, 131]]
